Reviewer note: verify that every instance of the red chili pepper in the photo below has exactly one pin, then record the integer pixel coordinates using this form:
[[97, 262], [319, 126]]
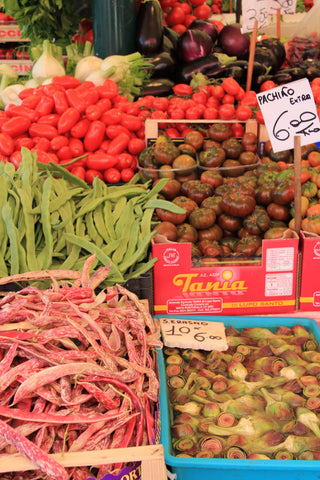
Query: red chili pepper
[[58, 142], [45, 106], [94, 136], [6, 144], [16, 110], [66, 81], [31, 101], [100, 161], [24, 141], [76, 147], [16, 126], [80, 129], [68, 119], [118, 144], [43, 130], [60, 102], [51, 119], [93, 112]]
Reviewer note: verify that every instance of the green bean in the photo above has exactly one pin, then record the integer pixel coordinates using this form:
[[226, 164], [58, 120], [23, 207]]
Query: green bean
[[26, 202], [141, 268], [90, 206], [99, 223], [111, 246], [17, 203], [164, 204], [154, 191], [92, 231], [3, 200], [64, 173], [145, 226], [142, 249], [125, 221], [46, 225], [12, 234], [107, 214], [118, 209], [133, 240]]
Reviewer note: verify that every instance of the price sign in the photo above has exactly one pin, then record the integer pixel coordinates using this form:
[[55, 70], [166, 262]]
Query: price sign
[[200, 335], [254, 10], [288, 111], [286, 7]]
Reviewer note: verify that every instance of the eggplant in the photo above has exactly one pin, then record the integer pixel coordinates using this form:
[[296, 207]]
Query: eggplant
[[168, 46], [223, 71], [171, 34], [277, 48], [312, 53], [295, 72], [199, 65], [257, 68], [162, 65], [206, 26], [149, 27], [159, 87], [266, 57], [312, 72], [280, 78]]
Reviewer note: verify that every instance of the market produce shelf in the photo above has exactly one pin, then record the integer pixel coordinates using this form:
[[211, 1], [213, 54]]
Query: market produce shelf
[[151, 457]]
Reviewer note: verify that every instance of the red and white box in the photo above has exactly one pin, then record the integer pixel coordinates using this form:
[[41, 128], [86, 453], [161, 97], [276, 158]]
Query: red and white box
[[265, 288], [310, 276]]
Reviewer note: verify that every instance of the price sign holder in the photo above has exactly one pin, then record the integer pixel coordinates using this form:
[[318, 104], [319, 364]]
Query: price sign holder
[[196, 334], [289, 110]]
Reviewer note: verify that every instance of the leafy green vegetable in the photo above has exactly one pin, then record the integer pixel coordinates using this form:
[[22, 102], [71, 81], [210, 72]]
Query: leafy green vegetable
[[55, 20]]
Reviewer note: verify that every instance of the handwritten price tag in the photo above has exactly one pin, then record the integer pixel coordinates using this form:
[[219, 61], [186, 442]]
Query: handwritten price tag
[[254, 10], [287, 7], [200, 335], [289, 110]]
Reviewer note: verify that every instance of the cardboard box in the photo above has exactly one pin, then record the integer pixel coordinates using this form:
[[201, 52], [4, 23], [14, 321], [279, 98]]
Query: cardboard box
[[266, 288], [310, 279]]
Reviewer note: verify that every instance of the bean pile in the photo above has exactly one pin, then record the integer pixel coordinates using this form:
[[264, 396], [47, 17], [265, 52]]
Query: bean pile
[[76, 371]]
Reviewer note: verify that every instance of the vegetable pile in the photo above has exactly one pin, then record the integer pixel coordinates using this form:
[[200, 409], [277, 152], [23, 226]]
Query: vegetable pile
[[259, 399], [51, 219], [77, 371]]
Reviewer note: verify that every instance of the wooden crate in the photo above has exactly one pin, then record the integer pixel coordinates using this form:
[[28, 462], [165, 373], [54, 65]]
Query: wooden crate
[[151, 457]]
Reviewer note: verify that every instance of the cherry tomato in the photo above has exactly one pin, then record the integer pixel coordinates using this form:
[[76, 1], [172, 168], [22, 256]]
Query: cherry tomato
[[91, 174], [126, 174], [179, 28], [135, 146], [182, 89], [112, 175], [202, 11], [124, 160], [228, 99], [227, 111], [176, 16], [79, 172]]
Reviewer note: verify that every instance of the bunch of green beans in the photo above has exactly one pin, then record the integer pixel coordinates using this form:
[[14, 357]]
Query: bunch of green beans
[[51, 219]]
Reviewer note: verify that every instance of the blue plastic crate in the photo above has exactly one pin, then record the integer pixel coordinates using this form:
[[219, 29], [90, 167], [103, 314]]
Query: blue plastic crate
[[233, 469]]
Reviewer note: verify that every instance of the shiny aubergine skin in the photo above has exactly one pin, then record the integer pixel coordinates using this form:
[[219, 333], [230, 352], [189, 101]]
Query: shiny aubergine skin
[[171, 34], [277, 48], [186, 71], [224, 71], [266, 57], [162, 65], [149, 27], [158, 87], [280, 78]]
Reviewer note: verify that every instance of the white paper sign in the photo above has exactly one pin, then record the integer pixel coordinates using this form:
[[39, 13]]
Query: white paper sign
[[254, 10], [286, 7], [200, 335], [289, 110]]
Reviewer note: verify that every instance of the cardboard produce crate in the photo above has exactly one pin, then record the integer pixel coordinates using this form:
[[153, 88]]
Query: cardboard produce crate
[[268, 287], [151, 458], [310, 279], [225, 468]]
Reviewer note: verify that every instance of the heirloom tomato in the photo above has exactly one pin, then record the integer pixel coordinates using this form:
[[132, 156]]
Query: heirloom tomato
[[199, 192], [167, 216], [184, 163], [275, 233], [248, 245], [186, 233], [250, 142], [168, 230], [213, 202], [212, 157], [186, 203], [229, 223], [311, 224], [283, 194], [210, 248], [165, 151], [278, 212], [171, 188], [257, 222], [233, 147], [220, 131], [212, 233], [212, 177], [202, 218], [194, 138], [237, 204]]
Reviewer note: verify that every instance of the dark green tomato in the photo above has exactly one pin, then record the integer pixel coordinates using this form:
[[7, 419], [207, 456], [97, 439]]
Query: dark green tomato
[[147, 159], [199, 192], [257, 222], [187, 233], [212, 157], [233, 148], [220, 131], [202, 218], [212, 233], [165, 152], [229, 223], [186, 203], [213, 202], [283, 194], [237, 204], [248, 245]]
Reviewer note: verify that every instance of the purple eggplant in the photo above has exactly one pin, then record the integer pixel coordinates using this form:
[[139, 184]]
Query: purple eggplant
[[186, 71], [266, 57], [162, 65], [149, 27], [159, 87], [193, 44], [277, 48], [206, 26], [224, 71]]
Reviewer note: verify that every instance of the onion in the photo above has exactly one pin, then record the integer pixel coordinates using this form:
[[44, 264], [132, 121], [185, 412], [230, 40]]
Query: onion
[[206, 26], [233, 42], [194, 44]]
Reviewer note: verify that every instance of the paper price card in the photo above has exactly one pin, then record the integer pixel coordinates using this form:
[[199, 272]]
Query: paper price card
[[286, 7], [254, 10], [289, 110], [200, 335]]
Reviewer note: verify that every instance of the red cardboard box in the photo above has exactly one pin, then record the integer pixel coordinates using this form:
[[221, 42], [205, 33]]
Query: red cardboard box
[[266, 288], [310, 277]]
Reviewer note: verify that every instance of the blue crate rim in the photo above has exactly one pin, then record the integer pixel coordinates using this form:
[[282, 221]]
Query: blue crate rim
[[223, 463]]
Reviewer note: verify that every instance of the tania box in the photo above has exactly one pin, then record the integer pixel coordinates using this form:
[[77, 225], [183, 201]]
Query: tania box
[[227, 289], [310, 279]]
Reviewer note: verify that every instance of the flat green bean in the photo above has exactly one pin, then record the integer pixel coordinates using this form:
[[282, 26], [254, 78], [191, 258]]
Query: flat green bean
[[164, 204], [46, 224], [13, 239], [118, 209], [107, 214], [92, 231]]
